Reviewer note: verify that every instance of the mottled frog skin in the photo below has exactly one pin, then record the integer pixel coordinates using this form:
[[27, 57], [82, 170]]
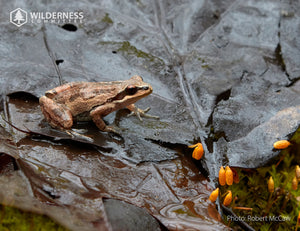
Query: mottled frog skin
[[84, 101]]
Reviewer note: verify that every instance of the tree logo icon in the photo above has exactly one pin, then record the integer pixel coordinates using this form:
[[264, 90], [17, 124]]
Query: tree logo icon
[[18, 17]]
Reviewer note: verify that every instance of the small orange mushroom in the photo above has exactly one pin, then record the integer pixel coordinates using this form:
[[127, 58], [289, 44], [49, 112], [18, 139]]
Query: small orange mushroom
[[228, 175], [297, 172], [281, 144], [228, 198], [198, 151], [298, 221], [271, 185], [214, 195], [295, 183], [222, 176]]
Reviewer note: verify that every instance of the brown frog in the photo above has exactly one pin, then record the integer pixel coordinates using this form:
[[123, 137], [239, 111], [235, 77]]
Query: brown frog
[[83, 101]]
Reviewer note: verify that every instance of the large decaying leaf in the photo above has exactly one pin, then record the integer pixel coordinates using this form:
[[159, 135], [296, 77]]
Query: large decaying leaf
[[223, 72]]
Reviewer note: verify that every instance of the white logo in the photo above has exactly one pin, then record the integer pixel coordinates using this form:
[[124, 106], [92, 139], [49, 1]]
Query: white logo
[[18, 17]]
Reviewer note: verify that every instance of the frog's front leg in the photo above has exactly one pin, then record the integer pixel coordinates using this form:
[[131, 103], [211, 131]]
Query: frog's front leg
[[56, 115], [139, 112], [99, 112]]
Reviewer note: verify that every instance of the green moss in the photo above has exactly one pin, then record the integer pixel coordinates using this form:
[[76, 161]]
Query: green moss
[[129, 51], [205, 66], [201, 60], [180, 211], [281, 204], [107, 19], [15, 219], [252, 192], [185, 212], [132, 50]]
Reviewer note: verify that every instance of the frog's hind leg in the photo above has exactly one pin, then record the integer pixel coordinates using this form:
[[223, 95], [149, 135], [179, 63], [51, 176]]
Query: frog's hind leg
[[56, 115]]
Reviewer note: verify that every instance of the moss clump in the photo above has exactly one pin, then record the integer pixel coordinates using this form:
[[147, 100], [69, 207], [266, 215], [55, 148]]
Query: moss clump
[[107, 19], [277, 210], [15, 219], [132, 50]]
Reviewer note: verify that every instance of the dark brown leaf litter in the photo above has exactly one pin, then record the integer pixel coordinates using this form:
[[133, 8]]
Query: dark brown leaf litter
[[225, 74]]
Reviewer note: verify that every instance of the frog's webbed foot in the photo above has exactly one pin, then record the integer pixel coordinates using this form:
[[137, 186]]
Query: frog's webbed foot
[[112, 129], [140, 112], [74, 134]]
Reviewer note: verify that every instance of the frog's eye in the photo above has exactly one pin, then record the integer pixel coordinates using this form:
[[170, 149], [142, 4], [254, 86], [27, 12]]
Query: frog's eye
[[131, 90]]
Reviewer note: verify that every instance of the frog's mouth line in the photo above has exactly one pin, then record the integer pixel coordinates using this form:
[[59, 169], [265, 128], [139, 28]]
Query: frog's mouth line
[[139, 95]]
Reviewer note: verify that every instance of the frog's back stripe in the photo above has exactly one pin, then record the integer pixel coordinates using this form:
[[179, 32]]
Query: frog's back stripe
[[53, 92]]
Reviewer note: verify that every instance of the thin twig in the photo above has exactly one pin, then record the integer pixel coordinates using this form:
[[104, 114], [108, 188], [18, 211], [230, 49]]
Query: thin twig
[[20, 130], [52, 56]]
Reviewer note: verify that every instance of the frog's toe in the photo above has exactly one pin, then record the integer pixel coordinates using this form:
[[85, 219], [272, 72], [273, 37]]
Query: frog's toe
[[77, 135], [145, 110], [140, 112], [112, 129]]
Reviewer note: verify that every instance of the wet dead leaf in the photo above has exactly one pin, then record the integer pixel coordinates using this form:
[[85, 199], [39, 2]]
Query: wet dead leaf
[[218, 79]]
